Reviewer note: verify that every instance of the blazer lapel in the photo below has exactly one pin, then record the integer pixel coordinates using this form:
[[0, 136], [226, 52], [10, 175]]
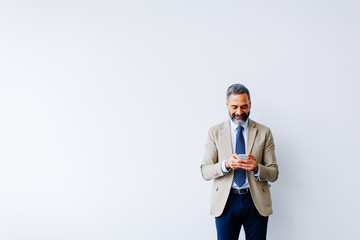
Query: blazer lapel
[[252, 130], [225, 133]]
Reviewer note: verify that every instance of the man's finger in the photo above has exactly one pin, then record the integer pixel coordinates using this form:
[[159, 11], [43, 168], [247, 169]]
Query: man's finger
[[243, 161]]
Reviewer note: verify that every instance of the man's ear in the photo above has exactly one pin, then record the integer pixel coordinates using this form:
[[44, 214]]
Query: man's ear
[[227, 104]]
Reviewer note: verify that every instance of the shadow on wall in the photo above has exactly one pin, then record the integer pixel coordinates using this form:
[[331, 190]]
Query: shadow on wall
[[283, 191]]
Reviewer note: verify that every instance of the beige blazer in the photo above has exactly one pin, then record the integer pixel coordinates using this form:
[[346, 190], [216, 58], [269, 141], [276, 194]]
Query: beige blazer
[[218, 147]]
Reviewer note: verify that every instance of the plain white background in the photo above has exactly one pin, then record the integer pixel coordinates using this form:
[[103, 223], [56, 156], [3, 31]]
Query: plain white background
[[105, 107]]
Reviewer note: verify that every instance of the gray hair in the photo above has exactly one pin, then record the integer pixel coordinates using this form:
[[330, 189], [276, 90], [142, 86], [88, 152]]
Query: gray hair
[[237, 88]]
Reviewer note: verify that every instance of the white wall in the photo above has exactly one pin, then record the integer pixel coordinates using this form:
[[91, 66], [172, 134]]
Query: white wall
[[105, 106]]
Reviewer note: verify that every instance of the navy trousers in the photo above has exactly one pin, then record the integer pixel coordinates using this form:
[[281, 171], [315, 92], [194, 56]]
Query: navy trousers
[[241, 211]]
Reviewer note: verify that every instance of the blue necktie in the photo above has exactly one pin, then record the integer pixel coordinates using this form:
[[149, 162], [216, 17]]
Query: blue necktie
[[240, 174]]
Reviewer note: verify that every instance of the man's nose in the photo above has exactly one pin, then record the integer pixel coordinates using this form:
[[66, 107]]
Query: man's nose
[[239, 111]]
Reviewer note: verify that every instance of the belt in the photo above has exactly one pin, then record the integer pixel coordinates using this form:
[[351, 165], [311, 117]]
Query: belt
[[241, 191]]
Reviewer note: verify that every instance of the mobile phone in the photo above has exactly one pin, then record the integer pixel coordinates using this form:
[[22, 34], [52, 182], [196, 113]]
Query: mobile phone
[[243, 156]]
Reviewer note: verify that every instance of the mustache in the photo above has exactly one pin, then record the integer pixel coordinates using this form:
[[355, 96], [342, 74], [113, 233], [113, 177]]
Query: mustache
[[243, 115]]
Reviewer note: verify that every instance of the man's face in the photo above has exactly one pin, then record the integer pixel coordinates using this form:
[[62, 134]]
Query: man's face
[[239, 107]]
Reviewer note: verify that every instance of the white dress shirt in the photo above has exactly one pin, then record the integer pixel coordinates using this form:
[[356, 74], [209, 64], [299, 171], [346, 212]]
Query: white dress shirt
[[233, 132]]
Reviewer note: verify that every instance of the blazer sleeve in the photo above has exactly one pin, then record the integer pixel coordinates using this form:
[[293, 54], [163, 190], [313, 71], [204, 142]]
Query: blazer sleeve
[[210, 166], [269, 169]]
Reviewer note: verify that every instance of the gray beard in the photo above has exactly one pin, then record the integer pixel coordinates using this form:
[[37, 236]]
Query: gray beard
[[237, 121]]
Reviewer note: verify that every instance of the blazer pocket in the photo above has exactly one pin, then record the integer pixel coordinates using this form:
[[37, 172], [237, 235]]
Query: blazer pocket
[[265, 186]]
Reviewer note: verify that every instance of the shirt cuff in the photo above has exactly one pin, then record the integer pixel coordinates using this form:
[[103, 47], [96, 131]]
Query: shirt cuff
[[258, 172], [223, 168]]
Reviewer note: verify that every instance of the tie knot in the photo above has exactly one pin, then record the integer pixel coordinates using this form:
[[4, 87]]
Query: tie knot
[[240, 128]]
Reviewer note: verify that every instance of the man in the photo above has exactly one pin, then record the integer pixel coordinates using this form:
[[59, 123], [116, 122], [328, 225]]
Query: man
[[240, 193]]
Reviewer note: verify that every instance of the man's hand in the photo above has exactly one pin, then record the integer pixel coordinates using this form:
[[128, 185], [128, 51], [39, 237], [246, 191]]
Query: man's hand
[[248, 164], [232, 162]]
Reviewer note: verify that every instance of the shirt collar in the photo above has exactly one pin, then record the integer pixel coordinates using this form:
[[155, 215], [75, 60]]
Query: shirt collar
[[234, 125]]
